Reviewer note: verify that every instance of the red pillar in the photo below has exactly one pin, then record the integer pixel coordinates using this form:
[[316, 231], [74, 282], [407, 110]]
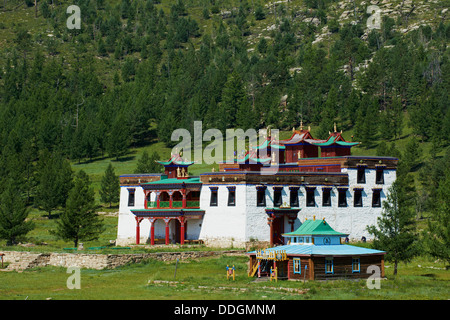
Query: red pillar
[[182, 222], [138, 229], [270, 223], [183, 192], [157, 199], [167, 229], [152, 231]]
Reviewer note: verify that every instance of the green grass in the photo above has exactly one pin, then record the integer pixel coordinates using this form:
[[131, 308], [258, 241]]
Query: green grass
[[205, 278]]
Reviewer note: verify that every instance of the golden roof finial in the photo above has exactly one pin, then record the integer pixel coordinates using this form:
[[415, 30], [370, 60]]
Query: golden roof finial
[[335, 127], [301, 125]]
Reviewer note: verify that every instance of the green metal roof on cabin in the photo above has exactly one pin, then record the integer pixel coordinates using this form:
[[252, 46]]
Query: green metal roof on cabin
[[315, 227], [175, 181]]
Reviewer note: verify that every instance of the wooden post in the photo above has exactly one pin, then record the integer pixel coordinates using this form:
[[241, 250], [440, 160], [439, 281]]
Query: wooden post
[[270, 223], [152, 231], [138, 229], [182, 222], [166, 220]]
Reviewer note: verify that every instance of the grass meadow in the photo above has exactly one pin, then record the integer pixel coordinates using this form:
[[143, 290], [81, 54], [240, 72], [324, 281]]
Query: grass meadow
[[205, 278]]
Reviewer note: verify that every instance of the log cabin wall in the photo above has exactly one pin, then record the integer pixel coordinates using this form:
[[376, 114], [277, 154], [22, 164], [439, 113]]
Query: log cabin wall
[[342, 267]]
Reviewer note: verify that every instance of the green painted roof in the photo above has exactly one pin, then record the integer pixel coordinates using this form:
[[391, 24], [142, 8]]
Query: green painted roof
[[175, 181], [270, 145], [315, 227]]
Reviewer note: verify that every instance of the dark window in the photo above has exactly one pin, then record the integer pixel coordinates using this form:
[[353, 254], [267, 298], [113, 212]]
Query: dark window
[[261, 197], [310, 201], [231, 197], [379, 177], [357, 201], [131, 198], [342, 199], [326, 197], [293, 199], [148, 196], [361, 178], [376, 198], [213, 201], [277, 198]]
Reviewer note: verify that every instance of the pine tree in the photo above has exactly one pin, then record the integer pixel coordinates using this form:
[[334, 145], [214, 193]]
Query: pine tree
[[79, 220], [395, 231], [110, 186], [54, 181], [148, 164], [437, 233], [118, 140], [13, 215]]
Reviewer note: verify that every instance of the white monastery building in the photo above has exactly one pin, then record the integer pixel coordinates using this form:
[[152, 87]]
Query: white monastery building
[[245, 202]]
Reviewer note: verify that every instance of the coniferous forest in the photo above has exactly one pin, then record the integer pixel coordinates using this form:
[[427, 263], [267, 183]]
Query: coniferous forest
[[139, 69]]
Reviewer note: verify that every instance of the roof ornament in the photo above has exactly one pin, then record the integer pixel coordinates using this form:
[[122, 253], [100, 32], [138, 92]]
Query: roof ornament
[[301, 124], [335, 127]]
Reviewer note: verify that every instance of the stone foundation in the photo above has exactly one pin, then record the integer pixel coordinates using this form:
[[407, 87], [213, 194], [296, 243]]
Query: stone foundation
[[19, 260]]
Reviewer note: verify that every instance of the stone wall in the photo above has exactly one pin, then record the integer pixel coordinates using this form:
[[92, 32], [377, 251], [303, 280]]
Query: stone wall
[[19, 260]]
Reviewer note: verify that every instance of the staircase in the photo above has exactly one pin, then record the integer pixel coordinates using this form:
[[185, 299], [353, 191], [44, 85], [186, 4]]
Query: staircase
[[253, 270]]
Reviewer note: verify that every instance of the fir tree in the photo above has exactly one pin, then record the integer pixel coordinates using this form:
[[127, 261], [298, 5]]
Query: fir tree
[[118, 140], [13, 215], [110, 186], [79, 220], [437, 233], [395, 231], [54, 181], [148, 164]]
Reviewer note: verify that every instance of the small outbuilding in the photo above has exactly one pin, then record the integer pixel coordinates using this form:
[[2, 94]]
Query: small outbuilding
[[315, 252]]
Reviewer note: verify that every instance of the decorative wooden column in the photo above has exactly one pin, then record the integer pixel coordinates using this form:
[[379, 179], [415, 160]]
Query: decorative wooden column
[[270, 223], [157, 198], [182, 222], [171, 199], [152, 230], [138, 229], [183, 192], [167, 220]]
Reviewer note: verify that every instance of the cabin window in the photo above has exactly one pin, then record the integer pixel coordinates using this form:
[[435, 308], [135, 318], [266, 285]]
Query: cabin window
[[310, 201], [361, 176], [300, 239], [213, 200], [376, 198], [293, 197], [357, 198], [231, 196], [356, 265], [328, 265], [297, 265], [261, 197], [326, 197], [131, 197], [342, 198], [277, 198], [379, 179]]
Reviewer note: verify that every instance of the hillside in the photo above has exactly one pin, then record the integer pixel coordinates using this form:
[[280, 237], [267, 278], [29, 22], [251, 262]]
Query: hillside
[[137, 70]]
